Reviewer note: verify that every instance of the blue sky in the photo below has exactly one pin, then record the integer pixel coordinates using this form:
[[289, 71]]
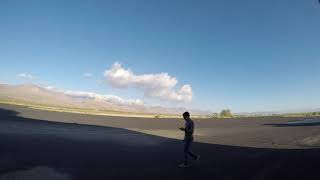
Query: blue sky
[[250, 55]]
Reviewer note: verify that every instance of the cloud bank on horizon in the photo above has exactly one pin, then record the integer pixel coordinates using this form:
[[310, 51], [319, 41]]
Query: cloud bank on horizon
[[161, 86], [100, 97]]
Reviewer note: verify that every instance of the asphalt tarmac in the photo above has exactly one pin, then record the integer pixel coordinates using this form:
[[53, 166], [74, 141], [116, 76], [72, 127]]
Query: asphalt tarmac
[[37, 144]]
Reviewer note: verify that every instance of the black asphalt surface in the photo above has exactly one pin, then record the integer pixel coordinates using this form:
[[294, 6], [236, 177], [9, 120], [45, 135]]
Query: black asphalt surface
[[98, 147]]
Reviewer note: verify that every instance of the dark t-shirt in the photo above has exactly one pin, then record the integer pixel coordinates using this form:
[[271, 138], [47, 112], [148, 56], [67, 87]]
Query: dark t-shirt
[[189, 126]]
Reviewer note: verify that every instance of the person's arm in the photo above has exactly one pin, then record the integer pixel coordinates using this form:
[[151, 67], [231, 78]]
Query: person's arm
[[182, 129], [188, 128]]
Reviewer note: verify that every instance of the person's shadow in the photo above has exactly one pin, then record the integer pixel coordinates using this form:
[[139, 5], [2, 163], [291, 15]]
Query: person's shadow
[[96, 152]]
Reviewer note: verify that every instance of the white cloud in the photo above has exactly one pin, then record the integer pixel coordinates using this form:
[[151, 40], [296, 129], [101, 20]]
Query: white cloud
[[25, 76], [108, 98], [160, 85], [52, 88], [87, 75]]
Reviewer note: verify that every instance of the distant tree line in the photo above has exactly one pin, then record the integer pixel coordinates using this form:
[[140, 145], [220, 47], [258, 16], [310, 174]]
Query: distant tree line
[[309, 114], [306, 114], [225, 113]]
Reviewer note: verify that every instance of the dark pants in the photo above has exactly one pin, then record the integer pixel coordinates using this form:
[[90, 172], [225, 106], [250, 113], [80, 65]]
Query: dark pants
[[187, 145]]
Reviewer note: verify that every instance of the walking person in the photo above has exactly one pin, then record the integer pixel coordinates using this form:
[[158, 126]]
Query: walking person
[[188, 139]]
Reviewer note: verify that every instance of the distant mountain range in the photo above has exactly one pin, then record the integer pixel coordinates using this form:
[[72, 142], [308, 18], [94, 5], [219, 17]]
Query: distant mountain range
[[269, 113], [52, 97]]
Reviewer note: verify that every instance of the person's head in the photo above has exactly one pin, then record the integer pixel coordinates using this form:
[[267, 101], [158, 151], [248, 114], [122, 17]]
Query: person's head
[[186, 116]]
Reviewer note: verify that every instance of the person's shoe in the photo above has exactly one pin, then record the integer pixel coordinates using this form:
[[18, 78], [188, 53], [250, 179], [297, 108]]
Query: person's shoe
[[198, 158], [183, 165]]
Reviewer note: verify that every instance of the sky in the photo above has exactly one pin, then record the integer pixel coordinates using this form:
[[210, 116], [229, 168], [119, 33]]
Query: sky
[[248, 55]]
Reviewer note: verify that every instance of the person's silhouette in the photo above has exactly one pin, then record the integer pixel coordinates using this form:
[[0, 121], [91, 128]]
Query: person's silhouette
[[188, 139]]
